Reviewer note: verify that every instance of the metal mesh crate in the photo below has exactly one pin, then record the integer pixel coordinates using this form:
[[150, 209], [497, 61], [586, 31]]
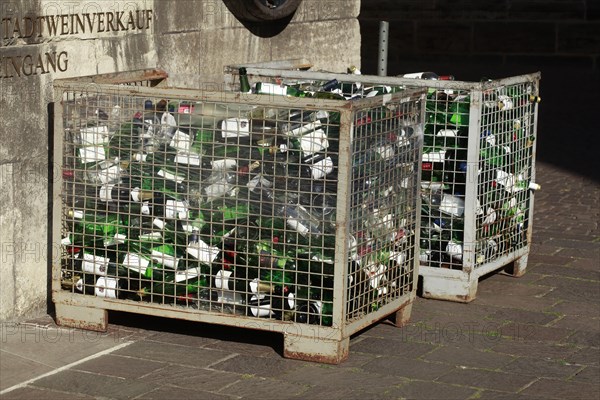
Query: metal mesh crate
[[478, 170], [271, 212]]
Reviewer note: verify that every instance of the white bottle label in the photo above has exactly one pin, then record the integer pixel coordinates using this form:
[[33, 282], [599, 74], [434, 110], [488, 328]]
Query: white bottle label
[[106, 287], [135, 194], [136, 262], [78, 214], [222, 279], [181, 276], [181, 141], [94, 264], [447, 133], [224, 164], [165, 259], [452, 205], [263, 309], [505, 102], [176, 209], [314, 142], [140, 157], [110, 174], [454, 249], [159, 223], [435, 156], [305, 128], [235, 127], [170, 176], [202, 251], [272, 89], [94, 136], [105, 193], [188, 159], [92, 154], [322, 168]]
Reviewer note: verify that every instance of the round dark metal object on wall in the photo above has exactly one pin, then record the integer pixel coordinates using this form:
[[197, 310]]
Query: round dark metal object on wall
[[262, 10]]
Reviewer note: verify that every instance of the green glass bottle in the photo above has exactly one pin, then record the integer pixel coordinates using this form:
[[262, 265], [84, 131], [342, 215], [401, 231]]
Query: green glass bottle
[[244, 82]]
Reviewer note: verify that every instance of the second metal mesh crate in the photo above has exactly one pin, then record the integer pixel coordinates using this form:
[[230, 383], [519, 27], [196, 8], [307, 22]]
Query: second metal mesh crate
[[274, 213], [478, 170]]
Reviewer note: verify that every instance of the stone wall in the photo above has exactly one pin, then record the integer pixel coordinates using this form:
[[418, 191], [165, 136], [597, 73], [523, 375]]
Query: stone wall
[[483, 33], [191, 39], [474, 39]]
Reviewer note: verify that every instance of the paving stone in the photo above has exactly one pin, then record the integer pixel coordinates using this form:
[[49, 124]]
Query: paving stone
[[191, 378], [251, 387], [465, 335], [494, 395], [431, 390], [335, 392], [29, 393], [172, 392], [549, 259], [525, 302], [518, 331], [561, 389], [244, 348], [415, 369], [590, 252], [122, 367], [576, 323], [574, 308], [567, 271], [586, 264], [479, 378], [516, 289], [181, 339], [585, 356], [523, 316], [573, 244], [587, 374], [540, 367], [579, 290], [15, 369], [357, 360], [584, 338], [543, 350], [465, 357], [266, 367], [165, 352], [93, 385], [408, 350]]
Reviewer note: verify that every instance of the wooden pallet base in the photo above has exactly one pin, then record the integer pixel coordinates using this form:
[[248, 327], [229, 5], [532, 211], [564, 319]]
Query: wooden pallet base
[[460, 286], [300, 343], [88, 318]]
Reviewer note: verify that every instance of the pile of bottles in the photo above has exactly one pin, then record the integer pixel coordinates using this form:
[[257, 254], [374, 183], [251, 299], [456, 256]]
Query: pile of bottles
[[500, 174], [232, 208]]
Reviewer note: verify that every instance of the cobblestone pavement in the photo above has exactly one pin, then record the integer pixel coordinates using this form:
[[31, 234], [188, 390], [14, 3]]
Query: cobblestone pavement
[[534, 337]]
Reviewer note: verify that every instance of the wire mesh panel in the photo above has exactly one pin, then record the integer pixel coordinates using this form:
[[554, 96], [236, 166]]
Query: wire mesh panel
[[232, 207], [477, 169]]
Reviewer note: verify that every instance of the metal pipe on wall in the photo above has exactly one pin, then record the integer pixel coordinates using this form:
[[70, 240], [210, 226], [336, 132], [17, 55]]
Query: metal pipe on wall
[[383, 48]]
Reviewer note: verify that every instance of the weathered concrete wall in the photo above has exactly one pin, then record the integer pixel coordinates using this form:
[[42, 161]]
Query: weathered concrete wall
[[191, 39]]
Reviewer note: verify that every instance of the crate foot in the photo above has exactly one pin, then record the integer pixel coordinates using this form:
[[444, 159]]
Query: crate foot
[[315, 349], [517, 267], [92, 319], [448, 288], [402, 315]]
